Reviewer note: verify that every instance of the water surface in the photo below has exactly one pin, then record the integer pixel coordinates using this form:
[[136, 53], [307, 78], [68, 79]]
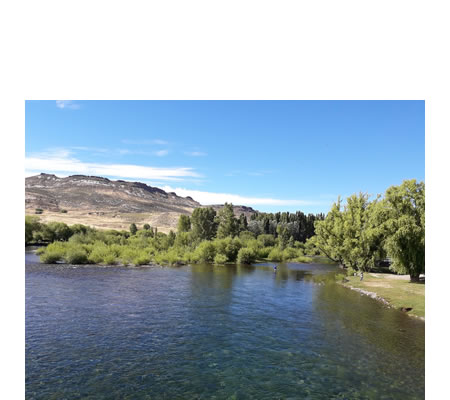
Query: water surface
[[211, 332]]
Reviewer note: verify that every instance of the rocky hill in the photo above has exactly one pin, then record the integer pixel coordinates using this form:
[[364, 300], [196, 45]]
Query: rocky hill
[[106, 203], [100, 194]]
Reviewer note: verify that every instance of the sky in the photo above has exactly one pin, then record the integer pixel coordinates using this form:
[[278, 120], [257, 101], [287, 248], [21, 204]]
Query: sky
[[270, 155]]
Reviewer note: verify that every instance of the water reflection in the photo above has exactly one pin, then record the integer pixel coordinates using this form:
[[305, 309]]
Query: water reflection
[[213, 332]]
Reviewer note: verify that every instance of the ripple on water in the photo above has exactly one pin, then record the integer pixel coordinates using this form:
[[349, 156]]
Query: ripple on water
[[213, 332]]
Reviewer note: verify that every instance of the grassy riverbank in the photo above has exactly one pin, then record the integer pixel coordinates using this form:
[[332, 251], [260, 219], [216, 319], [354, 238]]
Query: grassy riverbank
[[397, 290]]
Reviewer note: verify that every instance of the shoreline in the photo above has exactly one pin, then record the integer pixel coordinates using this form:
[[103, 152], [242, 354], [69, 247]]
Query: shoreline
[[396, 298]]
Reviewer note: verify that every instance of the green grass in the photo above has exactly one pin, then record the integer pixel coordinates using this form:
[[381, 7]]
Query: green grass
[[395, 289]]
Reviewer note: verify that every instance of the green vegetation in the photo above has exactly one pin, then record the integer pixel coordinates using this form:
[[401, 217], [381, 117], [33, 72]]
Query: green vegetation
[[398, 292], [205, 237], [38, 211], [362, 233]]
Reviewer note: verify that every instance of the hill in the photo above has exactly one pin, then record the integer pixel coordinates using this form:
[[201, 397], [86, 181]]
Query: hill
[[106, 203]]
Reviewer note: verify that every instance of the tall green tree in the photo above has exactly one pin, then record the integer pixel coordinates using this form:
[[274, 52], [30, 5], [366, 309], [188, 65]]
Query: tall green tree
[[363, 231], [329, 238], [243, 224], [405, 244], [227, 224], [184, 223], [203, 223]]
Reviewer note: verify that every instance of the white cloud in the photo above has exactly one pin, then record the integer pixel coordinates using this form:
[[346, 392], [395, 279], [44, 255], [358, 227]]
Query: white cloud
[[60, 162], [161, 153], [67, 104], [195, 153], [206, 198]]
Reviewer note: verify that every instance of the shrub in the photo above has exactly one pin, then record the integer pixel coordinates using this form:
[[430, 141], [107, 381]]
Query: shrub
[[246, 256], [76, 255], [141, 258], [220, 259], [205, 252], [109, 259], [63, 211], [264, 252], [51, 257], [38, 211], [52, 253], [266, 240], [276, 254], [289, 253]]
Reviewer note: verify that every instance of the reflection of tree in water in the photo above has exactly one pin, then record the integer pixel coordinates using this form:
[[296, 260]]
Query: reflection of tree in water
[[388, 331]]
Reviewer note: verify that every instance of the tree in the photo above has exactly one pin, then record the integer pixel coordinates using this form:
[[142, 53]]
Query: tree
[[203, 223], [146, 227], [133, 228], [32, 225], [227, 224], [243, 224], [362, 231], [405, 244], [329, 238], [283, 236], [184, 223]]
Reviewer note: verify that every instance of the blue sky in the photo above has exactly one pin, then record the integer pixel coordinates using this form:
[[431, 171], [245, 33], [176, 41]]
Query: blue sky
[[271, 155]]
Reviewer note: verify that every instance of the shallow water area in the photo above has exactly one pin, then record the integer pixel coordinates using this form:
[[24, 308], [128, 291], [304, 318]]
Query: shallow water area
[[213, 332]]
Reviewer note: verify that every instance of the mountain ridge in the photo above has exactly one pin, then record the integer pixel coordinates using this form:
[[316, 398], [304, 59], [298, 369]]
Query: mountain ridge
[[85, 197]]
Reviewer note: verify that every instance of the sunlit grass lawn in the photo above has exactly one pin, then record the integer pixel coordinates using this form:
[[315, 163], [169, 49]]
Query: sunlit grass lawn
[[396, 289]]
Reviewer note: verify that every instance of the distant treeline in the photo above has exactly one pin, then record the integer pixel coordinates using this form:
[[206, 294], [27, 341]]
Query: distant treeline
[[206, 236], [297, 225]]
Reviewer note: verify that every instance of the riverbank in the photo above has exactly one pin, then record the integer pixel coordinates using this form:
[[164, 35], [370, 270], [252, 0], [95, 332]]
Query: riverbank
[[393, 290]]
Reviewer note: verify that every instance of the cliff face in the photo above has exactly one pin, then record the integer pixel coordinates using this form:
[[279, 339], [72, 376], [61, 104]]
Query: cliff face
[[92, 193], [96, 196]]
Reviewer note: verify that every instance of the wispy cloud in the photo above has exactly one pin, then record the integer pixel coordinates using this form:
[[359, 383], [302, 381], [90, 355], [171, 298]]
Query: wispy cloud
[[195, 153], [220, 198], [145, 141], [67, 104], [161, 153], [61, 161], [90, 149]]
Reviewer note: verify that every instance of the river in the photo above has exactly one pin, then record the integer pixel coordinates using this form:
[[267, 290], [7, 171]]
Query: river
[[213, 332]]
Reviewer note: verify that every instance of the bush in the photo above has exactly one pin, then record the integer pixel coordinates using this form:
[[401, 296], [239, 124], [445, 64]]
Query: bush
[[276, 254], [51, 257], [289, 253], [141, 259], [52, 253], [246, 256], [264, 252], [76, 255], [205, 252], [63, 211], [220, 259], [38, 211], [266, 240]]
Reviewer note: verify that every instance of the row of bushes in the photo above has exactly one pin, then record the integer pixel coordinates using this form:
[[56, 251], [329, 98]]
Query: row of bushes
[[108, 248]]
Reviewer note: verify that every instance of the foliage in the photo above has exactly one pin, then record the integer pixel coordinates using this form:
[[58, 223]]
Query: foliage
[[246, 256], [220, 258], [203, 223], [133, 228], [227, 225], [205, 252], [184, 224], [405, 244], [276, 254]]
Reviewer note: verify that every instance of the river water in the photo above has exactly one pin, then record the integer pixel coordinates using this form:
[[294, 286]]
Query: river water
[[213, 332]]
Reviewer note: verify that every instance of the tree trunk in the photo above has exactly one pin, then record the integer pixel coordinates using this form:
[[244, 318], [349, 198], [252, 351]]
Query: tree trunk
[[414, 278]]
